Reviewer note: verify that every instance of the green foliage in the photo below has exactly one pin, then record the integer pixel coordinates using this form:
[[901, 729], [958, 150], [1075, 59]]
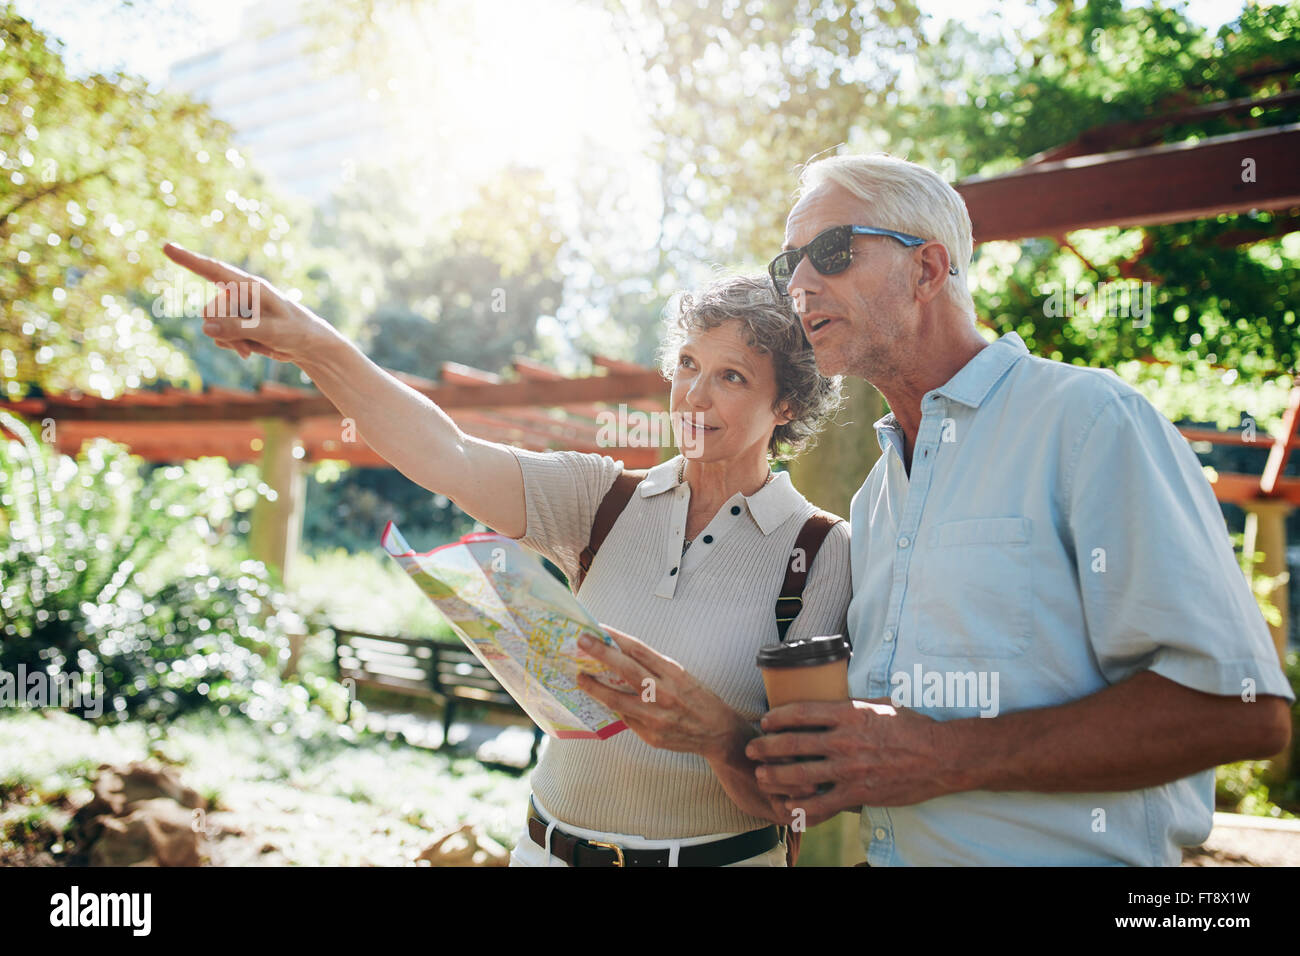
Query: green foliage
[[96, 173], [1224, 299], [114, 575], [465, 289], [740, 93], [365, 592], [416, 292], [1241, 788], [291, 791], [1251, 786], [740, 102], [350, 512]]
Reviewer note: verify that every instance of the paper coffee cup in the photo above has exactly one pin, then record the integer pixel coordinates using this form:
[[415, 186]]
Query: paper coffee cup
[[815, 669]]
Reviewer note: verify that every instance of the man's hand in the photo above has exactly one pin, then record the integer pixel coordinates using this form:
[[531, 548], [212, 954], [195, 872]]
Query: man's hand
[[664, 705], [872, 753]]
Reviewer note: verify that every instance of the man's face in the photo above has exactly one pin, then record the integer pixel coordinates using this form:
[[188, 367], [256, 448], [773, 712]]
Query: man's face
[[859, 321]]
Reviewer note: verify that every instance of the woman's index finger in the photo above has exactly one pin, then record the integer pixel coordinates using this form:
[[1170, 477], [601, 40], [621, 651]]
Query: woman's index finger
[[214, 270], [639, 650]]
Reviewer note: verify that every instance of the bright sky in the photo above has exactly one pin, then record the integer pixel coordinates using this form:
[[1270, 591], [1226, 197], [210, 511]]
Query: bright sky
[[1209, 13], [102, 34], [483, 82], [540, 84]]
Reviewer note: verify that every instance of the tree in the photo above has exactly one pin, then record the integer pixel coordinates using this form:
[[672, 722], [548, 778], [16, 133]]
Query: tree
[[744, 101], [1223, 300], [739, 94], [96, 172], [420, 290]]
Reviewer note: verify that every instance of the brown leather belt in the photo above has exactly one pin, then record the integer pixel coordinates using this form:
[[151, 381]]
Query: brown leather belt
[[576, 851]]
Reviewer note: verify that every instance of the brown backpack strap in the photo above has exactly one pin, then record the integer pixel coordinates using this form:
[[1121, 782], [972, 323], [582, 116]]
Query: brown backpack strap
[[790, 603], [810, 539], [611, 506]]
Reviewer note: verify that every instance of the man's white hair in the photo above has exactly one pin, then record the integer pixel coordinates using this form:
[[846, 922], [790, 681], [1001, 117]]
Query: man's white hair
[[907, 198]]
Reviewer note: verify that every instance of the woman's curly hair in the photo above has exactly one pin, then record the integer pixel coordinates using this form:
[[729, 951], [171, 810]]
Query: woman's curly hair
[[770, 326]]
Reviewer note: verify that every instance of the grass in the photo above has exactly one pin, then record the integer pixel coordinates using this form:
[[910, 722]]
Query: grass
[[364, 592], [361, 801]]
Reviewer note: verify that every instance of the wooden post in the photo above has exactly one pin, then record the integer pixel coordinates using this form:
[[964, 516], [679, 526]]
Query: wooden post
[[1266, 532], [828, 476], [276, 526]]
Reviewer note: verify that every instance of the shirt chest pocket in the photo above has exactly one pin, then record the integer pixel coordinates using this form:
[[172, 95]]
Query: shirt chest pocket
[[974, 589]]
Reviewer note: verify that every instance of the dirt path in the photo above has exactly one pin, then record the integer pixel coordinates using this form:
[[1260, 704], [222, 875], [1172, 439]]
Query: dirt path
[[1247, 841]]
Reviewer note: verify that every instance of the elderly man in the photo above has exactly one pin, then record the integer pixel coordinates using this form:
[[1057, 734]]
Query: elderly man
[[1053, 644]]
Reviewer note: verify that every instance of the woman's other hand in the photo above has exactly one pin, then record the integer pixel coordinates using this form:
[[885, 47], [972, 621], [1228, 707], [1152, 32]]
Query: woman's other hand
[[665, 706], [668, 708]]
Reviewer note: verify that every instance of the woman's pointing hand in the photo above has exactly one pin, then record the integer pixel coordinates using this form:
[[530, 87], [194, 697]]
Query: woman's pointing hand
[[248, 314]]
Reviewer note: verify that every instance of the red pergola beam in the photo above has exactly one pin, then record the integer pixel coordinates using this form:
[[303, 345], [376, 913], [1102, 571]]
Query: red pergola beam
[[1281, 451], [1234, 438], [235, 443], [616, 366], [555, 427], [597, 388], [1138, 187], [620, 367], [169, 441], [1140, 132], [1242, 490], [531, 371], [521, 430]]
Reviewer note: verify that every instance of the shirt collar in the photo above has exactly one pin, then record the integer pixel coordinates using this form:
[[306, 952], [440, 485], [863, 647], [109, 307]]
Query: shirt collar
[[661, 477], [973, 382], [770, 506]]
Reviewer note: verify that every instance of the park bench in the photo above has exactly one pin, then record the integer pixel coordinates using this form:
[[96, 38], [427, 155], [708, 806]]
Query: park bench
[[446, 674]]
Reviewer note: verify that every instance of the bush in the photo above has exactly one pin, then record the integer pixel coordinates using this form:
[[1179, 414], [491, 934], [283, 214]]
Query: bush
[[1250, 786], [364, 592], [112, 574]]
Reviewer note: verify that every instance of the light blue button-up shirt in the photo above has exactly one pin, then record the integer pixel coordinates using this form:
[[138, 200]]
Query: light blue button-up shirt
[[1056, 536]]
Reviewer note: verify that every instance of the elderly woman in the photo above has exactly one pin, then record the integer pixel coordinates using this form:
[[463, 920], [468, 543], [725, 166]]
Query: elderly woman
[[693, 565]]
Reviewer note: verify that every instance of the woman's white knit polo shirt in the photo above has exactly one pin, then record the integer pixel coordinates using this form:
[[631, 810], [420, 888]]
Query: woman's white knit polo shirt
[[710, 610]]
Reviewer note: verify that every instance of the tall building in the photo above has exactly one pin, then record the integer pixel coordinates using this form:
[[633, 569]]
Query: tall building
[[296, 123]]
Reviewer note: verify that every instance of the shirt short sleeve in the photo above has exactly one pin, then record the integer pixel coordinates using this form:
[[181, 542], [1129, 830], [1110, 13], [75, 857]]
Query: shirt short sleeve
[[827, 590], [562, 490], [1161, 587]]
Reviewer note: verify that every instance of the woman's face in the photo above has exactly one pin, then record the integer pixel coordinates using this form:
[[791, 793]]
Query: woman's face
[[722, 396]]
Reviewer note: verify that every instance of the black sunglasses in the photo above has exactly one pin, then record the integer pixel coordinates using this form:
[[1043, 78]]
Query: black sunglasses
[[831, 252]]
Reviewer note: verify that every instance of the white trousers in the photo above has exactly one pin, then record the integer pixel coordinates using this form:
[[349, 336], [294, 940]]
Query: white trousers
[[528, 853]]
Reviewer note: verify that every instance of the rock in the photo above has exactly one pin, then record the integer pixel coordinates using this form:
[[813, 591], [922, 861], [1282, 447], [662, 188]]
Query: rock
[[156, 832], [464, 846], [140, 815]]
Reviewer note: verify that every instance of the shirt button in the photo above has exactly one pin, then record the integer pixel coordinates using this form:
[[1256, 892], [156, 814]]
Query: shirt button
[[903, 542], [672, 572], [880, 833], [708, 539], [889, 636], [735, 509]]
